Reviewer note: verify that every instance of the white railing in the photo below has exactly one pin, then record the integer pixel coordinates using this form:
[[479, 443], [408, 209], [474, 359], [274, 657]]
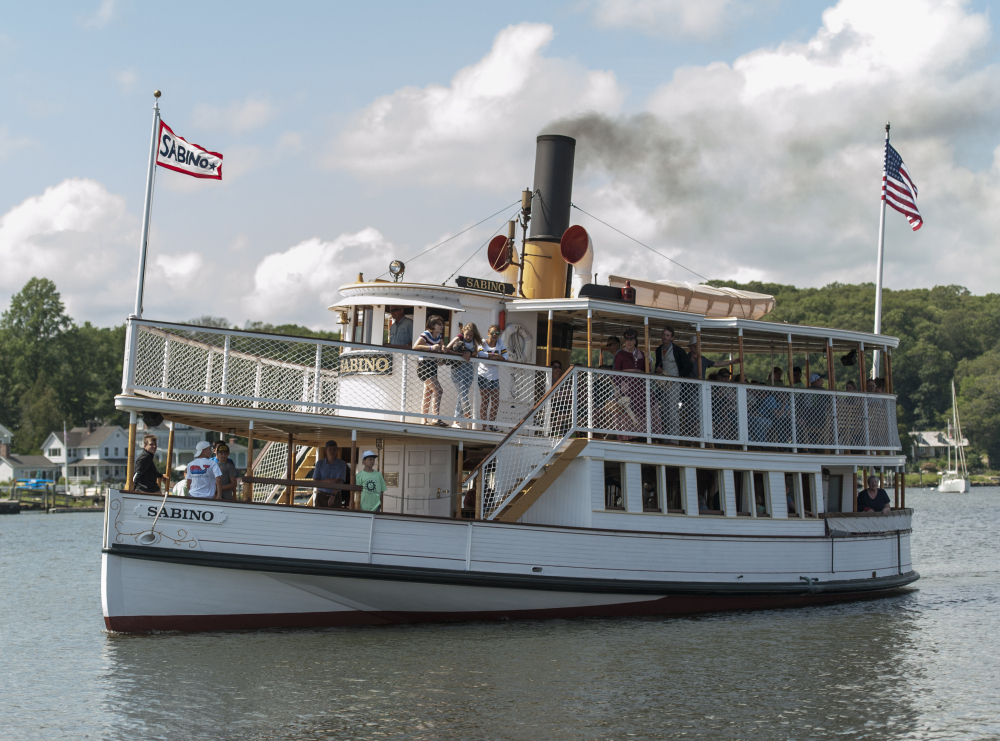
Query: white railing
[[630, 406], [205, 365]]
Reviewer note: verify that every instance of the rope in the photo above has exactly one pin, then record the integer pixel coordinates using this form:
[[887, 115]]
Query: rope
[[477, 251], [639, 243], [411, 259]]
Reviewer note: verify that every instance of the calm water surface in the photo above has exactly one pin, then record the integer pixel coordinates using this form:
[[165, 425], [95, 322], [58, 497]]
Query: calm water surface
[[920, 665]]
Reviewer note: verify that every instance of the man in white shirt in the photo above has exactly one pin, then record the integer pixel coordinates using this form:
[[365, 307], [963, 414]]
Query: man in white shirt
[[204, 477]]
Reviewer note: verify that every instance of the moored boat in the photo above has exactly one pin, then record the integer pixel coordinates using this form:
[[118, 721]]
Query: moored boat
[[595, 492]]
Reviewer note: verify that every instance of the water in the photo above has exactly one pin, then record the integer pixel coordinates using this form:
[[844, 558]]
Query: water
[[920, 665]]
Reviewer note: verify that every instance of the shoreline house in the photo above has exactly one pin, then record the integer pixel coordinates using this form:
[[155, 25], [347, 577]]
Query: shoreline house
[[14, 466], [93, 453], [934, 443]]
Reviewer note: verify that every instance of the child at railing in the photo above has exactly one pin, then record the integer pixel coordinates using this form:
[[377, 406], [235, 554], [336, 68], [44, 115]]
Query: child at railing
[[467, 343], [489, 376], [431, 340]]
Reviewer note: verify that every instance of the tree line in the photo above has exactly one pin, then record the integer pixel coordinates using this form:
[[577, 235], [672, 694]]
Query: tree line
[[54, 370]]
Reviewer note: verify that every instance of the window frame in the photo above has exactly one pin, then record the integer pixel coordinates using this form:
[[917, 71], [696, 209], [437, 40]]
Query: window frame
[[720, 483], [604, 485], [658, 487]]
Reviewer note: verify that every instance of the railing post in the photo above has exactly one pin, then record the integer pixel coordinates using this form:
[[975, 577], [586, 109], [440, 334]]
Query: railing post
[[474, 396], [792, 418], [575, 397], [208, 377], [590, 403], [868, 435], [742, 415], [128, 369], [256, 385], [707, 433], [649, 399], [316, 376], [166, 369], [402, 390], [225, 371], [834, 409]]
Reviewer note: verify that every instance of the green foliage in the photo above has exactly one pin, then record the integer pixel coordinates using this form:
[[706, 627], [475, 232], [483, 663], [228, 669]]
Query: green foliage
[[978, 381], [290, 329]]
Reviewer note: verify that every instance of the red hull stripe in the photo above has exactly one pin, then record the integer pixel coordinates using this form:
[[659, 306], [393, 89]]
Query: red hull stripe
[[674, 605]]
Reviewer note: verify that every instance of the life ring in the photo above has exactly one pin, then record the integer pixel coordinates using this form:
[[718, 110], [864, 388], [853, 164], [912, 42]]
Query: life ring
[[520, 344]]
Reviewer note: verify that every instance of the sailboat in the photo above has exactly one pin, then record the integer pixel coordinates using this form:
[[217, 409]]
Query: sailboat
[[953, 481]]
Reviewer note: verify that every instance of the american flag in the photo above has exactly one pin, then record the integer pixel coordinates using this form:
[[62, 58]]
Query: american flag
[[897, 188]]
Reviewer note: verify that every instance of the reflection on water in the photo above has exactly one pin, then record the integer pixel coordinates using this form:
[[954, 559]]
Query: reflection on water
[[917, 665]]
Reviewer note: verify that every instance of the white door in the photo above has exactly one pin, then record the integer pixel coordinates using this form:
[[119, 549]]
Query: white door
[[392, 472], [427, 480]]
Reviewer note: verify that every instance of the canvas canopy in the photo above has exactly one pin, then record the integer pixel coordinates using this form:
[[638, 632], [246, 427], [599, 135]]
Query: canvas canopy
[[707, 301]]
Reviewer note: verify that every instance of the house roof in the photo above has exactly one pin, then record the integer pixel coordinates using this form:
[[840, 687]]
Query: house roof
[[82, 437], [936, 439], [5, 433], [28, 461]]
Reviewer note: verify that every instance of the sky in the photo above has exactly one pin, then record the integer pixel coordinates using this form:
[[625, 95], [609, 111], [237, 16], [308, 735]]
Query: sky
[[742, 139]]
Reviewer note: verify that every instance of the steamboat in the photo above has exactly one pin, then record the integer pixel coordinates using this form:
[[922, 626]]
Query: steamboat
[[599, 492]]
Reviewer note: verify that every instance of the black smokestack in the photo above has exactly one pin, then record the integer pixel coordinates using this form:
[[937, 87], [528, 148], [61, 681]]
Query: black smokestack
[[553, 185]]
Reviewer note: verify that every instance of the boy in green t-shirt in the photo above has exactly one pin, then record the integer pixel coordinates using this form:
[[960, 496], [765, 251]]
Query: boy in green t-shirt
[[371, 482]]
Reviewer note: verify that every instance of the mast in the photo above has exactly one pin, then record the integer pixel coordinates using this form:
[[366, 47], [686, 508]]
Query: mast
[[147, 206], [881, 253]]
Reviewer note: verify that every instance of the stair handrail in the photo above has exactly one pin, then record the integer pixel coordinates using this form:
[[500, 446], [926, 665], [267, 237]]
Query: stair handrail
[[515, 428]]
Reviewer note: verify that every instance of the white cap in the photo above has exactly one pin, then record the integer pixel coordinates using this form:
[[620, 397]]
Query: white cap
[[369, 454], [201, 446]]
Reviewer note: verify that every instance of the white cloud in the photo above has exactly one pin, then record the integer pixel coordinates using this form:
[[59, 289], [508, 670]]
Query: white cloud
[[480, 129], [126, 80], [180, 270], [10, 144], [772, 166], [304, 280], [104, 14], [672, 18], [78, 235], [238, 117]]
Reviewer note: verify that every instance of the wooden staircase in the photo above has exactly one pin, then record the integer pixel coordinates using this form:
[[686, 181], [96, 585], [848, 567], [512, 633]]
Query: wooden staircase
[[534, 488]]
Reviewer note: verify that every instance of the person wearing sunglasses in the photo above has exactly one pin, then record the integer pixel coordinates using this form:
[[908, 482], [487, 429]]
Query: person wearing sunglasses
[[493, 348]]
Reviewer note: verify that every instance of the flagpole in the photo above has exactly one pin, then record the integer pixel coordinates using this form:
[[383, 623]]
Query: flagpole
[[881, 254], [147, 206]]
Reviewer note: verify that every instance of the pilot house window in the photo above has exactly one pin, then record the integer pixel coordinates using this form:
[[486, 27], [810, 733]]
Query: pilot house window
[[614, 485]]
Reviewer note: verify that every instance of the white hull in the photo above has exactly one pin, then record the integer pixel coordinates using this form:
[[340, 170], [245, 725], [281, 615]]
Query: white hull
[[254, 566], [954, 485]]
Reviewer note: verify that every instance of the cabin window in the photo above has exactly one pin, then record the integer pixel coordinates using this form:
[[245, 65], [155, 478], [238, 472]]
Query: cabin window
[[116, 452], [651, 488], [761, 495], [793, 498], [835, 493], [673, 489], [54, 452], [808, 494], [710, 496], [743, 481], [614, 485]]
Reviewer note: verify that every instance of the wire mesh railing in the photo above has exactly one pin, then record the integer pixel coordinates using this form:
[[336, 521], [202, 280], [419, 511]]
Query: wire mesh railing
[[206, 365], [638, 407]]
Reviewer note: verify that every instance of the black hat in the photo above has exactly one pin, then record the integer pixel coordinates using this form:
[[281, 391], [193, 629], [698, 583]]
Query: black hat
[[221, 448], [331, 442], [630, 334]]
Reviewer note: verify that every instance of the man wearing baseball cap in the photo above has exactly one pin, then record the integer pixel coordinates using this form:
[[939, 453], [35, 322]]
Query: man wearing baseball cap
[[204, 479], [371, 482]]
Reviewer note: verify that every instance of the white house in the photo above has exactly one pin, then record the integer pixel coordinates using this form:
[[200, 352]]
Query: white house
[[934, 443], [93, 453], [185, 438], [14, 467]]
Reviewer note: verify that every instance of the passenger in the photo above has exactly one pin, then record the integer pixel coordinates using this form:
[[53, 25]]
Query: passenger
[[371, 482], [759, 502], [694, 352], [489, 375], [147, 478], [870, 386], [432, 340], [401, 329], [331, 468], [631, 391], [790, 499], [874, 499], [204, 479], [816, 381], [557, 370], [797, 378], [850, 386], [673, 362], [879, 385], [725, 375], [713, 376], [613, 345], [467, 343], [230, 474], [775, 378]]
